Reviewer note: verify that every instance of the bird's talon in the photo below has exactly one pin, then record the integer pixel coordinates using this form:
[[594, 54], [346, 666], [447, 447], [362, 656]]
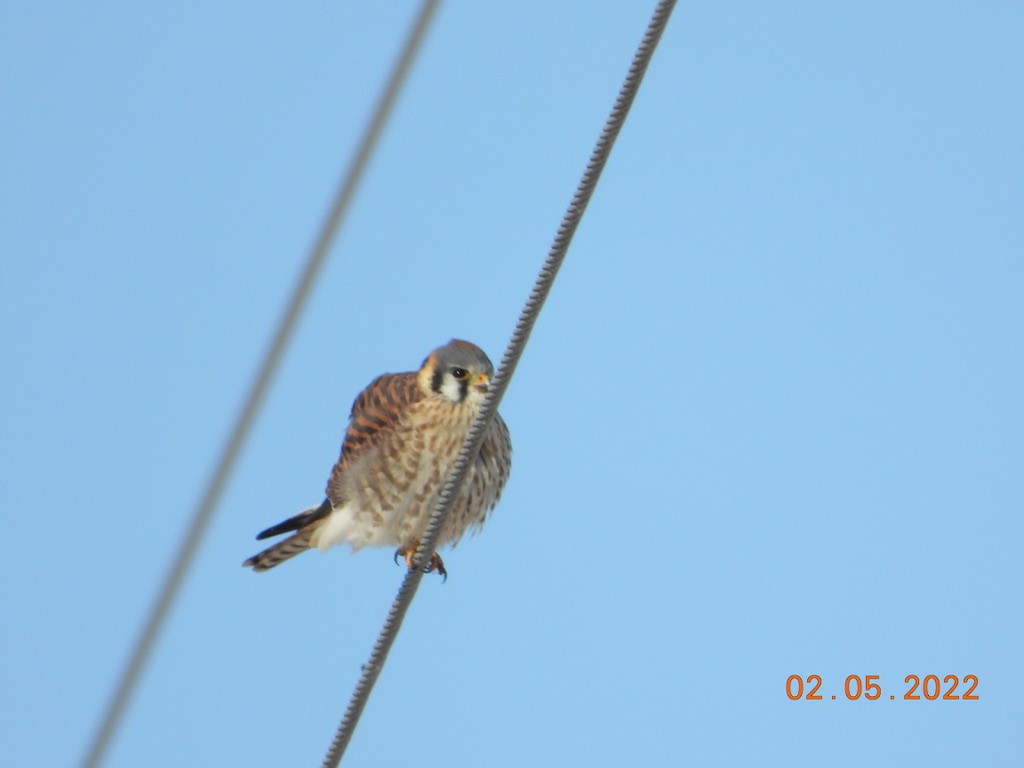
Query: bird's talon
[[435, 563]]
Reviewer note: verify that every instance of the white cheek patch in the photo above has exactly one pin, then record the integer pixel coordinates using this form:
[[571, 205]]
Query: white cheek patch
[[451, 388]]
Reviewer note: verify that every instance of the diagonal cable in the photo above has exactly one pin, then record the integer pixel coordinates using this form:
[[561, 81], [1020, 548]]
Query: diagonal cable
[[527, 318], [240, 432]]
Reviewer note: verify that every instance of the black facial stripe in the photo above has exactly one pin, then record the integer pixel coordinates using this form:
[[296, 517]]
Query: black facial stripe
[[463, 388], [435, 381]]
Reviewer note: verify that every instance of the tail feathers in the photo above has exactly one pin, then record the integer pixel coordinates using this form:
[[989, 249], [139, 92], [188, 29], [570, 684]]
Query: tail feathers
[[303, 524], [283, 550], [301, 520]]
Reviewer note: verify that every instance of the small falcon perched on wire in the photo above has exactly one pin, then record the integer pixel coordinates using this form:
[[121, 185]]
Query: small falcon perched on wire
[[403, 437]]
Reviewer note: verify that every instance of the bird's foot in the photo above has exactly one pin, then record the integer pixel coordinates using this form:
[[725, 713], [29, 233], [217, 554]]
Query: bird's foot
[[434, 564], [437, 564]]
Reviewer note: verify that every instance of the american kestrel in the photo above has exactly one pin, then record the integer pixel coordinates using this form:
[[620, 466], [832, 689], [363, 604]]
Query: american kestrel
[[403, 437]]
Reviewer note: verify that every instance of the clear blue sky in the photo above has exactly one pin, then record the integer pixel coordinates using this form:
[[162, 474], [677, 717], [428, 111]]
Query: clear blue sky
[[770, 422]]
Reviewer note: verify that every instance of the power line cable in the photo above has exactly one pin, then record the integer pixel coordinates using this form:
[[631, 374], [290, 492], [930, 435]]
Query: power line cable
[[556, 255], [240, 432]]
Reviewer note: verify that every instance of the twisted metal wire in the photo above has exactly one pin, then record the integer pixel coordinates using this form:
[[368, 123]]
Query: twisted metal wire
[[524, 326], [240, 432]]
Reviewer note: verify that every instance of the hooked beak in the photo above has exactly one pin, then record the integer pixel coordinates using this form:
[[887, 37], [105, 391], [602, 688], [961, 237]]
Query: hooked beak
[[481, 382]]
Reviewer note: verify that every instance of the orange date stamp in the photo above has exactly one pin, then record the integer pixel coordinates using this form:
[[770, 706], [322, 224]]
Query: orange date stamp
[[916, 688]]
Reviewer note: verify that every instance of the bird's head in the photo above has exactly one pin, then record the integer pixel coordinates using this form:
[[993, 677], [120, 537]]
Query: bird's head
[[457, 372]]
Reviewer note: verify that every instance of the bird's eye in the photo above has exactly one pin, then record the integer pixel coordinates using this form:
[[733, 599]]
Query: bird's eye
[[460, 373]]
